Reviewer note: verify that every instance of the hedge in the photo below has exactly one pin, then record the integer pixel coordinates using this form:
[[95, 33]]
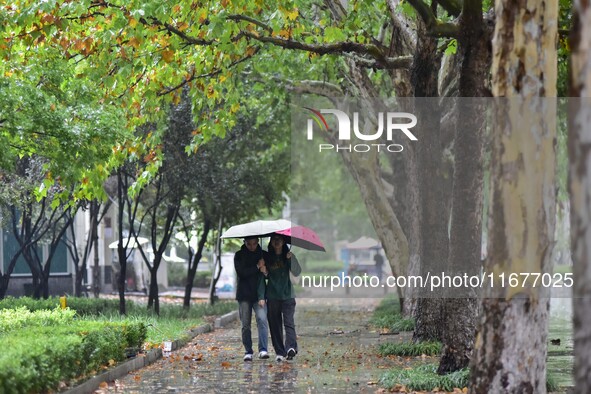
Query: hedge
[[48, 347]]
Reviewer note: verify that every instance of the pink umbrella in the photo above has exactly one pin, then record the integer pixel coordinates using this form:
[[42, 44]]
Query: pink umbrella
[[303, 237]]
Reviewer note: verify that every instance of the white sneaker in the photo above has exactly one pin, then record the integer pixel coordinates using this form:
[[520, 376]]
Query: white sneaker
[[279, 359], [263, 354], [247, 357]]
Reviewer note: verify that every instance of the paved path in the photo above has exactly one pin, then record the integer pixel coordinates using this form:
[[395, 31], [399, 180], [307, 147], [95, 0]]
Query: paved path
[[337, 354]]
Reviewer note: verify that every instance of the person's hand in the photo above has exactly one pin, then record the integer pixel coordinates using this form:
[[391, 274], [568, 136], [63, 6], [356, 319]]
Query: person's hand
[[261, 303], [288, 255], [261, 266]]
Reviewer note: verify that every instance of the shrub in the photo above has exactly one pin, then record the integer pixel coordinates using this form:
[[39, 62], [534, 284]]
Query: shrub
[[410, 349], [41, 356], [82, 305], [387, 316], [425, 378]]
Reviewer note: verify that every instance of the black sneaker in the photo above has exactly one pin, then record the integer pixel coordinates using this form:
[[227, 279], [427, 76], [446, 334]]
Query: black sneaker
[[291, 353]]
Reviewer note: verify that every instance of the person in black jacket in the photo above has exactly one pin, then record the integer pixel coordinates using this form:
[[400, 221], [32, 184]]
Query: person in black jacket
[[247, 262]]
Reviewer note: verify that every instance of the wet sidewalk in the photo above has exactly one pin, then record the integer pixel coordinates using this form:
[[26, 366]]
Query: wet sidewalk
[[337, 354]]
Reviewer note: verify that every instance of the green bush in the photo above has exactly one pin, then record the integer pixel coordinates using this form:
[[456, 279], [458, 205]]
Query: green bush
[[387, 316], [82, 305], [39, 357], [425, 378], [410, 349], [21, 317]]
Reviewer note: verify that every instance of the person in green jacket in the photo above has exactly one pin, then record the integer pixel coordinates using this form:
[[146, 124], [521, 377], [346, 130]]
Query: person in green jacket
[[280, 296]]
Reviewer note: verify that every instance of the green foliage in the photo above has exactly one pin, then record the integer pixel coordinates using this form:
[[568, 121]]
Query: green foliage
[[410, 349], [21, 317], [83, 306], [52, 346], [48, 347], [425, 378], [387, 316]]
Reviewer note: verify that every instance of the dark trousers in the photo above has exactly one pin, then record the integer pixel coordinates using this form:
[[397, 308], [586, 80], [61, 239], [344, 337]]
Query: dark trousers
[[280, 314]]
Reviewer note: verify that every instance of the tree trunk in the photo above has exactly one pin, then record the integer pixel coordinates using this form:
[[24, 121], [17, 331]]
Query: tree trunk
[[460, 308], [192, 270], [217, 267], [510, 349], [153, 299], [580, 192], [432, 213]]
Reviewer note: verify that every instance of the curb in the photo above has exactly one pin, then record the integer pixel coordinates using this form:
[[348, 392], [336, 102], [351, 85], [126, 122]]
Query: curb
[[225, 319], [147, 358]]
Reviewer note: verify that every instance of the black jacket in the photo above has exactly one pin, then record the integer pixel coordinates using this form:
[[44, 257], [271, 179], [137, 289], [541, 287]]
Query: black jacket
[[245, 263]]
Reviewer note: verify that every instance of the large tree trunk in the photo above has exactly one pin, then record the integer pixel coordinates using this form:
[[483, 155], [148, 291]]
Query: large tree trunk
[[460, 309], [433, 242], [580, 192], [510, 348]]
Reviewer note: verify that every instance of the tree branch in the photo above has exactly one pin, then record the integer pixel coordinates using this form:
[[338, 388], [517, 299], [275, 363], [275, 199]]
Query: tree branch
[[244, 18], [168, 27], [207, 75], [388, 63], [373, 51], [320, 88], [434, 26], [453, 7]]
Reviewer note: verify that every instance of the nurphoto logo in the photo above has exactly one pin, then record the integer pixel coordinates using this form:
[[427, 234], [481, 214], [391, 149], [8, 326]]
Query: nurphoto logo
[[394, 123]]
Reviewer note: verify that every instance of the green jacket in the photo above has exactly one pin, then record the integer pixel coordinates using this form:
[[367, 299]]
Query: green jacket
[[278, 284]]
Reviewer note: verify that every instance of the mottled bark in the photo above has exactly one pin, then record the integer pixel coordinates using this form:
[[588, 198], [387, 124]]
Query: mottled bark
[[580, 191], [510, 349]]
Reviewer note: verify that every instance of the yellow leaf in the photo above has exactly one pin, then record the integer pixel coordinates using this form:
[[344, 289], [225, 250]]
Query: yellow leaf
[[104, 385], [234, 108], [211, 93], [167, 55], [134, 42], [285, 34], [291, 15], [203, 16], [176, 8], [111, 362], [132, 22], [250, 51]]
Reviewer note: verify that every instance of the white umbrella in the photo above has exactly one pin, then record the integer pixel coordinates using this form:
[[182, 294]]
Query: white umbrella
[[132, 242], [258, 228]]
